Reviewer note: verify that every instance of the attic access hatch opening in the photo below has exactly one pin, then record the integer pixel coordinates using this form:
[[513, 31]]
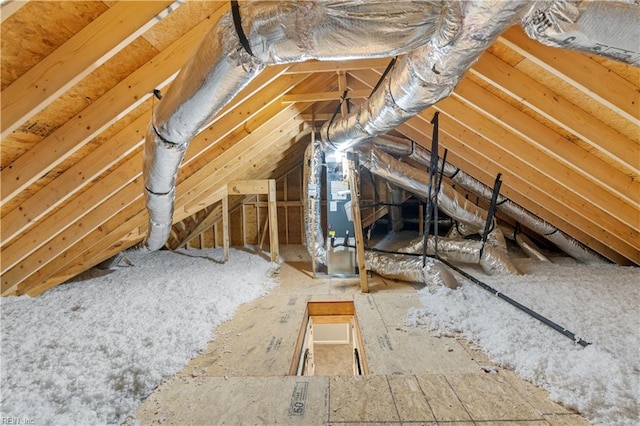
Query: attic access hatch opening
[[329, 342]]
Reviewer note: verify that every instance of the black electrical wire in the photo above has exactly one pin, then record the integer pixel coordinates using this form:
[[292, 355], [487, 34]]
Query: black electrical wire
[[519, 306], [495, 292]]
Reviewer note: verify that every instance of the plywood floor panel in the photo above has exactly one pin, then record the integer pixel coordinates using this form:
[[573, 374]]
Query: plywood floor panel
[[361, 398], [417, 378], [410, 401], [444, 402], [499, 400]]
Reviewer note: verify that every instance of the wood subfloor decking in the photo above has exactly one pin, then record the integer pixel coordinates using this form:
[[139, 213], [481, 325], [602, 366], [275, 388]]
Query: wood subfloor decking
[[415, 377]]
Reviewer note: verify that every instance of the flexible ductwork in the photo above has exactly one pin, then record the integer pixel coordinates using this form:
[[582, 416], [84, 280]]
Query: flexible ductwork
[[441, 40], [603, 28], [311, 212], [530, 248], [492, 260], [387, 265], [429, 73], [472, 219], [277, 32], [409, 268], [404, 147]]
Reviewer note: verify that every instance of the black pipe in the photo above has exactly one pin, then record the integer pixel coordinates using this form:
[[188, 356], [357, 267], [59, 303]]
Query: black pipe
[[520, 306], [502, 296]]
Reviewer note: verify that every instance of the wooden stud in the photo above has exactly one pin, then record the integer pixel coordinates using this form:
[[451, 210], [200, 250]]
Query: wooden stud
[[357, 224], [117, 102], [248, 187], [322, 96], [580, 71], [334, 66], [225, 226], [95, 44], [264, 231], [273, 222]]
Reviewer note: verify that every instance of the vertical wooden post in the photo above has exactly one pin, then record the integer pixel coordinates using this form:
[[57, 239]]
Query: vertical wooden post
[[312, 204], [225, 226], [357, 223], [273, 222], [420, 219], [264, 231]]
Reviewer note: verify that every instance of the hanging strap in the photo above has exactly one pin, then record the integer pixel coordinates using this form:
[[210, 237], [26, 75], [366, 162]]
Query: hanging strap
[[335, 114], [384, 74], [235, 13], [489, 224], [433, 166]]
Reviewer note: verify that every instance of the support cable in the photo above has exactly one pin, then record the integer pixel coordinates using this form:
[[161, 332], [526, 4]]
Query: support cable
[[436, 221], [489, 225], [335, 114], [433, 165], [384, 74], [514, 303]]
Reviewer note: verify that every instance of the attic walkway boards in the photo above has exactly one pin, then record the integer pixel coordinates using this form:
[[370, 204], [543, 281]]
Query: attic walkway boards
[[415, 378]]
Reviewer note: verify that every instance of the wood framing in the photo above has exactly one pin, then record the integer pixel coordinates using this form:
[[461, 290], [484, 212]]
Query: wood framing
[[354, 185], [563, 128], [268, 187]]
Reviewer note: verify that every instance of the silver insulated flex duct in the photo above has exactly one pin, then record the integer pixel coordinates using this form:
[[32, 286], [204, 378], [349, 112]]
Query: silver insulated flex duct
[[605, 28], [492, 257], [277, 32], [440, 40], [409, 268], [429, 73], [381, 164], [311, 209], [405, 268], [404, 147]]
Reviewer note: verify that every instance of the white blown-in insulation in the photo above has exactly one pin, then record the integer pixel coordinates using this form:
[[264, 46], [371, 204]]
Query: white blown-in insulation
[[89, 352]]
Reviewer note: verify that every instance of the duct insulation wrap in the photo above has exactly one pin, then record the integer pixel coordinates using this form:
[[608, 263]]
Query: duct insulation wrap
[[409, 268], [492, 260], [564, 242], [210, 79], [429, 73], [572, 247], [294, 31], [530, 248], [277, 32], [605, 28], [472, 218], [311, 181], [160, 222]]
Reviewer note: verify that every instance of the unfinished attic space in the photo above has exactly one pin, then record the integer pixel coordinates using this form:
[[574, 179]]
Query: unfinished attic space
[[320, 212]]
